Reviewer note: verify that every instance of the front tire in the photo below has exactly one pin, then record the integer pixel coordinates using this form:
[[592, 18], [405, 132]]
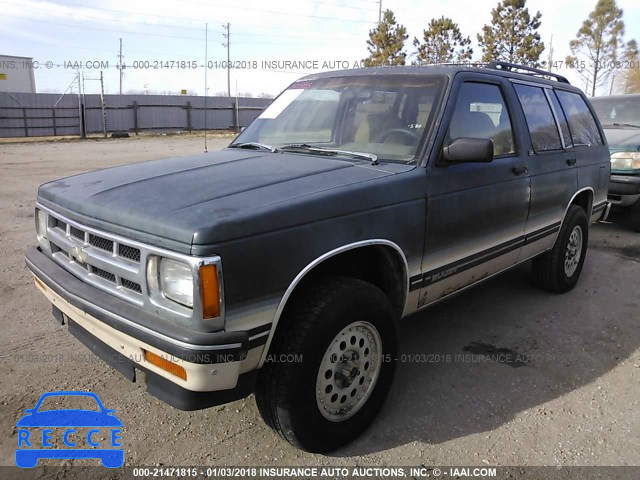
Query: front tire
[[558, 270], [330, 366]]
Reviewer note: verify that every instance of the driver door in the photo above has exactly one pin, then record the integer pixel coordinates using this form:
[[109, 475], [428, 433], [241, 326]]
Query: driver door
[[476, 212]]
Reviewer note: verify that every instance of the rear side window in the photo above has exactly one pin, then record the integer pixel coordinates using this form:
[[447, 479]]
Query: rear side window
[[562, 119], [583, 127], [542, 124]]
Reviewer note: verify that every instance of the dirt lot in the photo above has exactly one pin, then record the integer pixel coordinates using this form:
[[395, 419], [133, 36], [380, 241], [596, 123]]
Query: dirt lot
[[574, 402]]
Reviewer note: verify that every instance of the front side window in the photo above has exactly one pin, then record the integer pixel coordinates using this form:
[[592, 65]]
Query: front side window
[[542, 125], [384, 115], [481, 112], [583, 127]]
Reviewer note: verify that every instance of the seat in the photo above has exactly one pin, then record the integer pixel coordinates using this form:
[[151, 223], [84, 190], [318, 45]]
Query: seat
[[471, 125], [375, 124]]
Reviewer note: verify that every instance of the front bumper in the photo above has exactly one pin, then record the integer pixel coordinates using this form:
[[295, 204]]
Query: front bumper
[[624, 190], [218, 365]]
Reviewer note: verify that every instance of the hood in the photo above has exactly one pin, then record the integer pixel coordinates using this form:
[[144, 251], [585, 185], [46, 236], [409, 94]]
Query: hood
[[623, 139], [202, 199]]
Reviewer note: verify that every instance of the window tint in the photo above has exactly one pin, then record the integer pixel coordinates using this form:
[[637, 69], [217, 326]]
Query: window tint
[[542, 125], [584, 130], [481, 112], [562, 119]]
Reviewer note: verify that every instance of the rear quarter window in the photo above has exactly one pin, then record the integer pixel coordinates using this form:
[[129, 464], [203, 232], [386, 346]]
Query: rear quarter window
[[582, 125]]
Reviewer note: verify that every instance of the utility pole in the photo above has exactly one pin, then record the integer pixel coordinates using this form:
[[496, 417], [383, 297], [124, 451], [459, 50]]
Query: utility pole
[[84, 114], [120, 66], [550, 54], [228, 45], [613, 81], [379, 12], [104, 110], [80, 115]]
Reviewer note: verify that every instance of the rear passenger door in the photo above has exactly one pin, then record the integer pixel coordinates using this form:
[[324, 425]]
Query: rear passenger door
[[551, 161], [591, 151]]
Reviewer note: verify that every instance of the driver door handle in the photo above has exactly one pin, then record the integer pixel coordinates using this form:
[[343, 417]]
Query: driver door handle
[[520, 170]]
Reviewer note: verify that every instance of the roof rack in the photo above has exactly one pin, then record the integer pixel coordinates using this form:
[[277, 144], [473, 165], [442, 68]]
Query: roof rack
[[512, 67]]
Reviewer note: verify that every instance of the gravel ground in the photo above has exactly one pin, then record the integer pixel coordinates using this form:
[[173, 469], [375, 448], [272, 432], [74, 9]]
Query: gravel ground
[[570, 398]]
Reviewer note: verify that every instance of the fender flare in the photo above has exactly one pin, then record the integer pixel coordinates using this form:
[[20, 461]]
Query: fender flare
[[314, 263]]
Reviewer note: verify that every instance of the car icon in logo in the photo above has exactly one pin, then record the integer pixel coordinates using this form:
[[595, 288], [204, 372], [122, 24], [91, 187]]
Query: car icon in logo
[[32, 447]]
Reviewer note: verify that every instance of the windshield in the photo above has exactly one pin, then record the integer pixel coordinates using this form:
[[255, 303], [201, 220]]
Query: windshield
[[383, 115], [618, 111]]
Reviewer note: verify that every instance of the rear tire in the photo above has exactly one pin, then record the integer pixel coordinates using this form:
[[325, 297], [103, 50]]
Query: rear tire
[[330, 365], [558, 270], [634, 216]]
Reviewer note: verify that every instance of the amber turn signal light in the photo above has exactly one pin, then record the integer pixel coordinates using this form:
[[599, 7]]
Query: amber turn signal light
[[165, 364], [210, 291]]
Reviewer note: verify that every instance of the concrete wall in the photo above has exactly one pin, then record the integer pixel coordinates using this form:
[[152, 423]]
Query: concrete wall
[[48, 114]]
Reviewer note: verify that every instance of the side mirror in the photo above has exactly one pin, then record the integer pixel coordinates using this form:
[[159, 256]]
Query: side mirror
[[464, 149]]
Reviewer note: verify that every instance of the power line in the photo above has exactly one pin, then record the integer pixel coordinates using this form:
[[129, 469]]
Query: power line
[[118, 30], [127, 12], [342, 6], [209, 4], [276, 12]]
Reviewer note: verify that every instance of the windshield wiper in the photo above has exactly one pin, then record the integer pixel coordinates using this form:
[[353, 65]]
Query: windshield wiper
[[621, 125], [254, 146], [373, 158]]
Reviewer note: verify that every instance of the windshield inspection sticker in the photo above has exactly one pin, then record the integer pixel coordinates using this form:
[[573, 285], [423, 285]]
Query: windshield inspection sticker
[[280, 103], [80, 433]]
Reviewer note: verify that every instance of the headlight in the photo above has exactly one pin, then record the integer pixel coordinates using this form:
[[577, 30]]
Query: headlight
[[176, 281], [625, 161], [41, 224]]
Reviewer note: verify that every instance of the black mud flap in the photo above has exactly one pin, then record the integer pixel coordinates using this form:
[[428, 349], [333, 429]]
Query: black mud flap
[[57, 314], [115, 359]]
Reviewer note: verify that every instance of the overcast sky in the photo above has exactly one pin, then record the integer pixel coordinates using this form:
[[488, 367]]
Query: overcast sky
[[300, 30]]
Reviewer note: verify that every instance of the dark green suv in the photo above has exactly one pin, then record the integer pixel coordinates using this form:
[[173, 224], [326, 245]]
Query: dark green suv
[[282, 264], [620, 118]]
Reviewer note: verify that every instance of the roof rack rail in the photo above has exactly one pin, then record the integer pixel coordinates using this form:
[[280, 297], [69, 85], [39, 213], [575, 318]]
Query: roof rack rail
[[513, 67]]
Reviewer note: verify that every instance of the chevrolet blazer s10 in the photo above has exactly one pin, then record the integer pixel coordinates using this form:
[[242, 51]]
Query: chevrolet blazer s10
[[282, 264]]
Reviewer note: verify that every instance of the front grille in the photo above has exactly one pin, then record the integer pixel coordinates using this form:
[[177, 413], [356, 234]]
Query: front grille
[[56, 249], [76, 232], [103, 261], [101, 243], [131, 285], [104, 274], [79, 262], [128, 252]]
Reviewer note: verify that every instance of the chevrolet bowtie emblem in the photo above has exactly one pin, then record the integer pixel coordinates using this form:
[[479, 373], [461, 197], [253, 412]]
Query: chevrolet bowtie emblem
[[80, 254]]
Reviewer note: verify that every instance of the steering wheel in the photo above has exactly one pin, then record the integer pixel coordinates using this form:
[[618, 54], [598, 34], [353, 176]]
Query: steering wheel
[[413, 136]]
